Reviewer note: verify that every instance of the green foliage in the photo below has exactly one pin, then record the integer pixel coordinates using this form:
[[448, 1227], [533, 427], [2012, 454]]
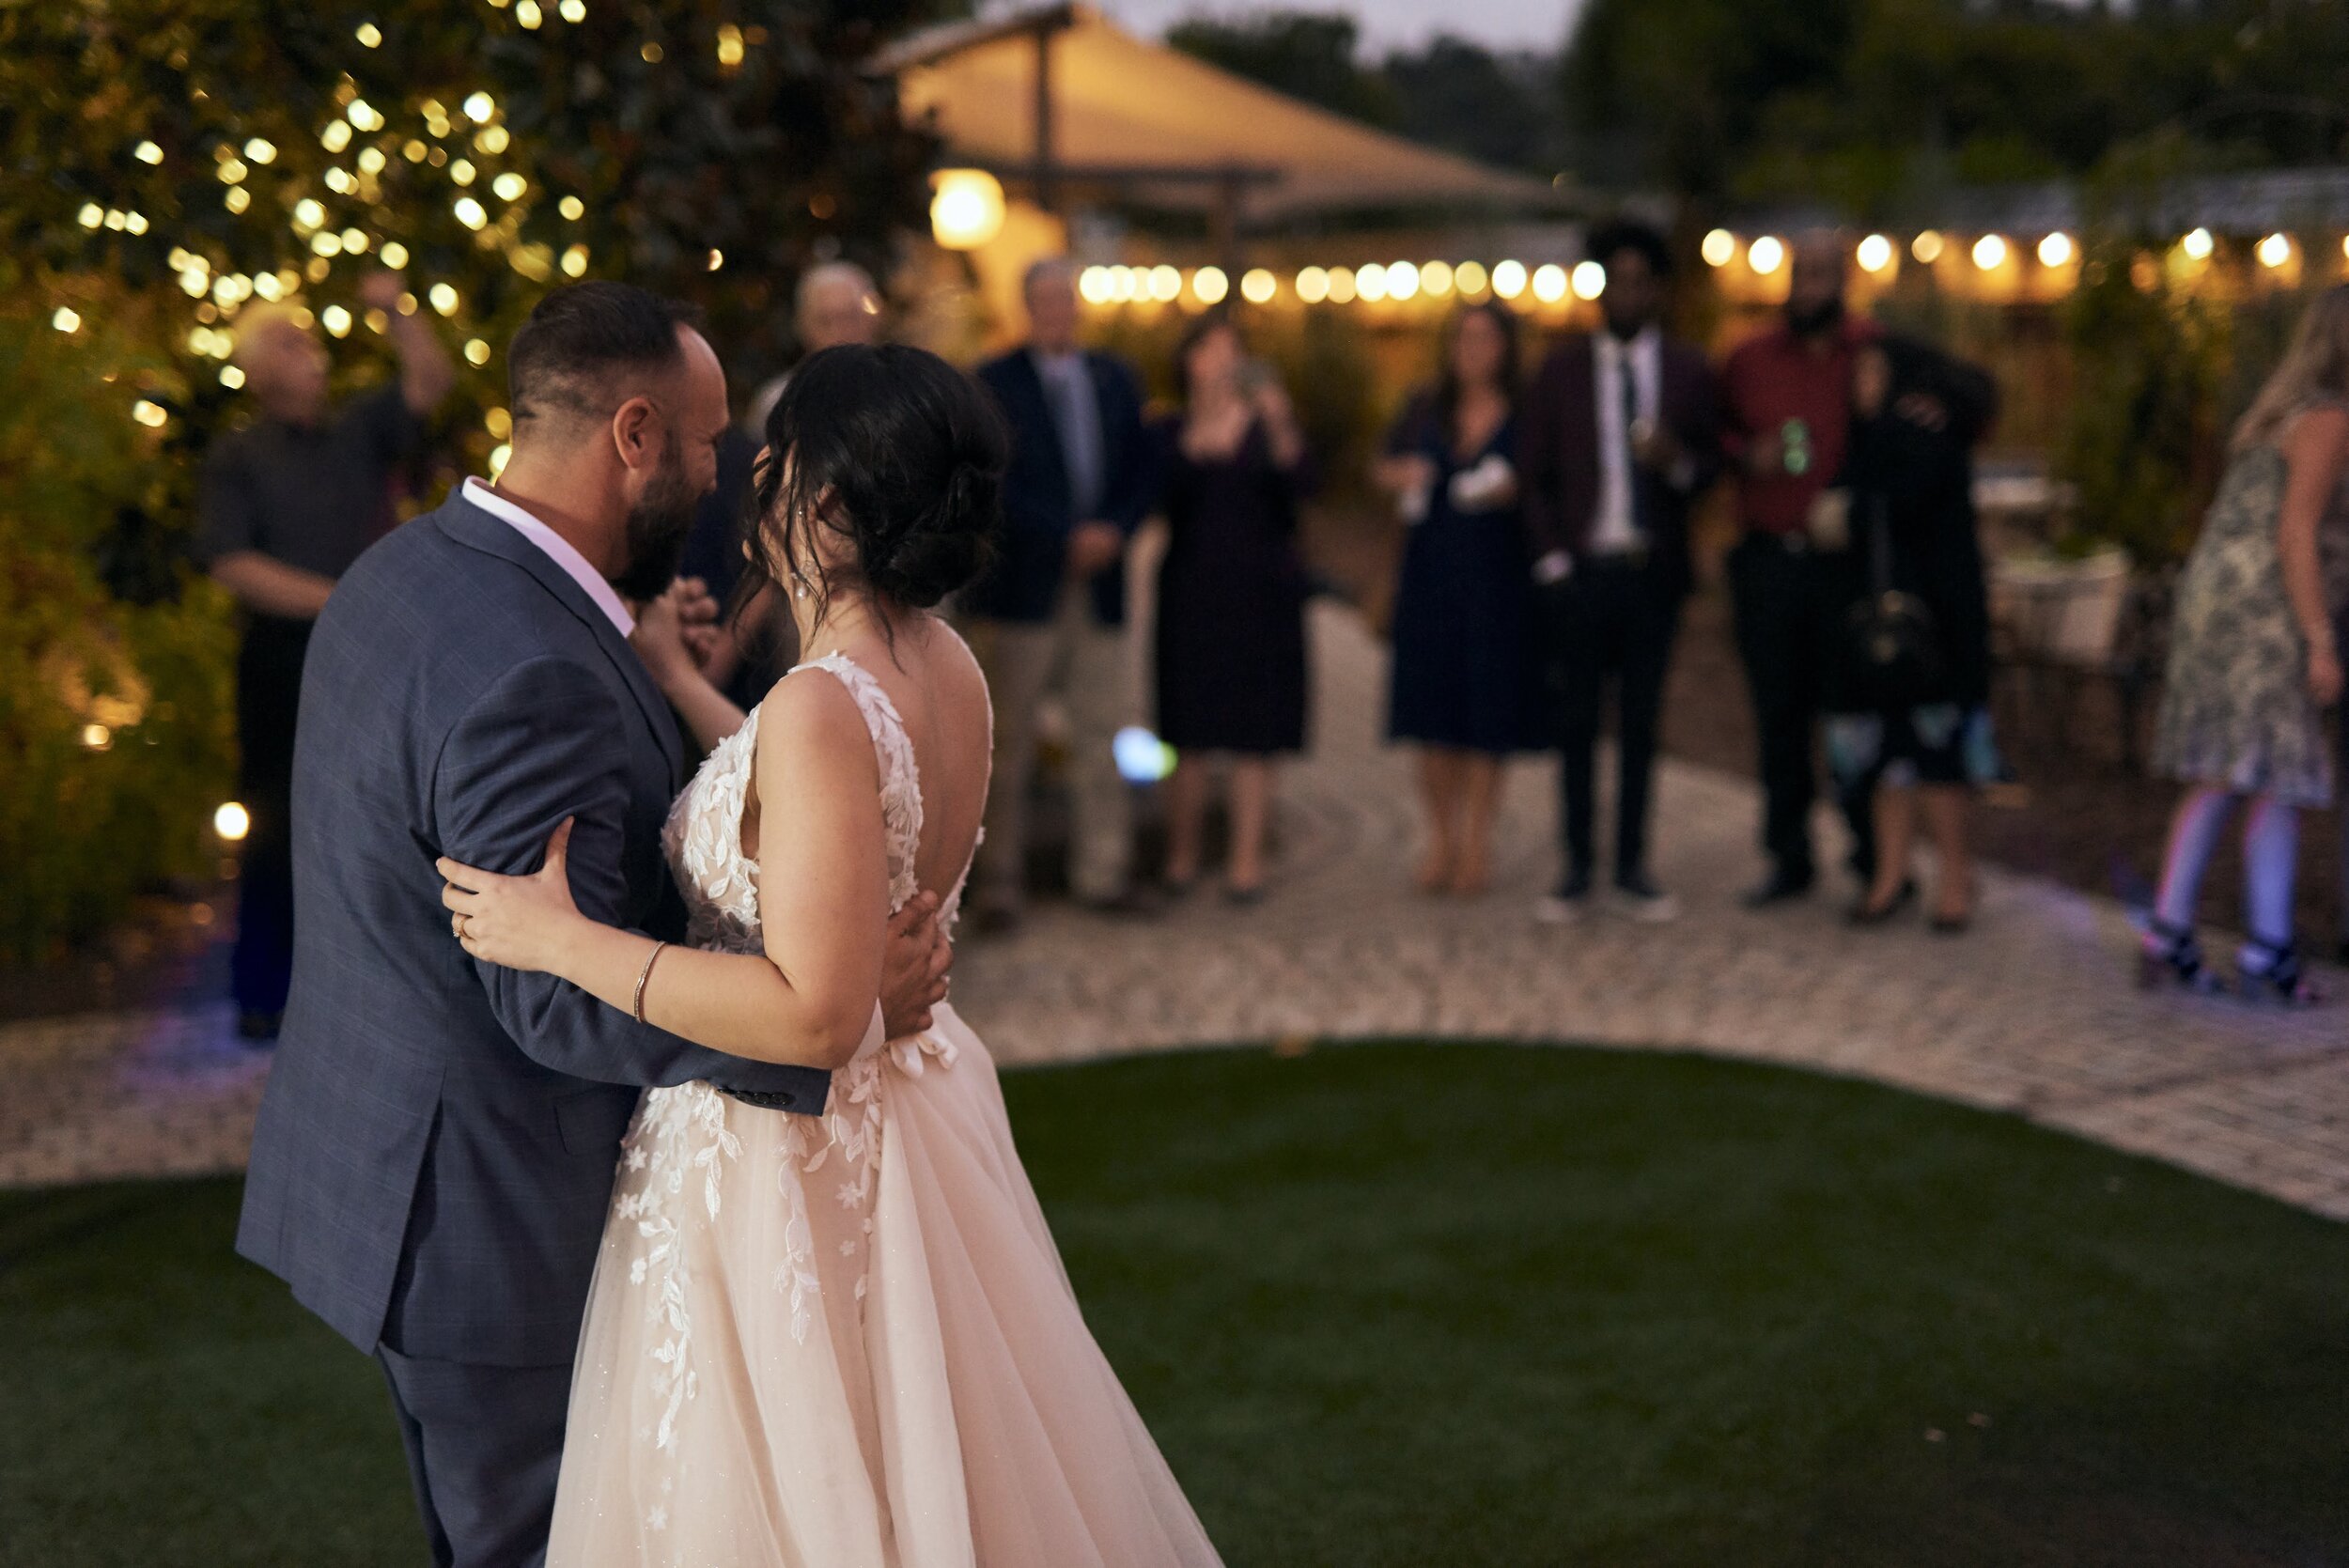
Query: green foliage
[[168, 160], [1450, 92], [2141, 435], [1307, 55], [82, 830], [1872, 103]]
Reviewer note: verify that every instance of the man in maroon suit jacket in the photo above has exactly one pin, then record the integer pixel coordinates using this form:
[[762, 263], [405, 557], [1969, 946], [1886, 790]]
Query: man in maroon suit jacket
[[1620, 434]]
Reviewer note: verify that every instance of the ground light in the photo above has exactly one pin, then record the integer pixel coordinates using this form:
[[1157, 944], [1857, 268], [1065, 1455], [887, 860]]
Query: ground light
[[1142, 757]]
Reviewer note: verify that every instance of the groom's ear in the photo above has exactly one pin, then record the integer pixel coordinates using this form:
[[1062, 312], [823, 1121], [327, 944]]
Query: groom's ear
[[636, 433]]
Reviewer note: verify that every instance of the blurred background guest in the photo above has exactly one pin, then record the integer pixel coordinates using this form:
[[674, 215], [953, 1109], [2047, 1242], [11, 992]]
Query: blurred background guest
[[1908, 696], [2253, 663], [1051, 617], [1232, 591], [836, 303], [1621, 434], [286, 505], [1787, 407], [1462, 633]]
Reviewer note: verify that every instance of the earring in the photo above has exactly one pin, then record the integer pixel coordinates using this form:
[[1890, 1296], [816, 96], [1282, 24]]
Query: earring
[[799, 586]]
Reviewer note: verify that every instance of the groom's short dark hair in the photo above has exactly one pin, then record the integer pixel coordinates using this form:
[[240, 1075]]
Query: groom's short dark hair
[[583, 344]]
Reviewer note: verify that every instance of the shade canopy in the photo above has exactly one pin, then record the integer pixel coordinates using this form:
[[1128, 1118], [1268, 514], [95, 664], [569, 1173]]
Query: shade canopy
[[1160, 127]]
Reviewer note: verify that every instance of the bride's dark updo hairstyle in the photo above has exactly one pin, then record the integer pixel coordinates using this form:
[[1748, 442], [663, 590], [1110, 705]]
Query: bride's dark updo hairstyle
[[898, 452]]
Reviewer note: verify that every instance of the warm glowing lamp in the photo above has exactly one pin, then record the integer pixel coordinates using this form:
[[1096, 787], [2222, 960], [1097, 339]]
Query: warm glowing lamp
[[967, 209]]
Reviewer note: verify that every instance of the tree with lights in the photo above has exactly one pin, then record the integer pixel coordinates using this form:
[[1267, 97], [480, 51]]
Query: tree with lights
[[168, 161]]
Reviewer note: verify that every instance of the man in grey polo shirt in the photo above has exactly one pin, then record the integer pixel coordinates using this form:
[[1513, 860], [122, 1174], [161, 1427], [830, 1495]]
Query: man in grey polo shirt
[[288, 504]]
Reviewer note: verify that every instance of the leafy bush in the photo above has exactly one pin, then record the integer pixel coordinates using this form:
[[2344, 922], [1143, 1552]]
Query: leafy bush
[[2142, 439], [115, 716]]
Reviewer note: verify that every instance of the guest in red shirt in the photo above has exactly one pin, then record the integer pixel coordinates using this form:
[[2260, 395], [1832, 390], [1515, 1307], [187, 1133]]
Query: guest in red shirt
[[1787, 412]]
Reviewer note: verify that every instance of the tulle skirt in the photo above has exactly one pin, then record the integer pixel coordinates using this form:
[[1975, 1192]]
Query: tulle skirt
[[849, 1341]]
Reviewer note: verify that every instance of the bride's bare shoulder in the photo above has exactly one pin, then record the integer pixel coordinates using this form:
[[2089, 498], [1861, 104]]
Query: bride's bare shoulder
[[811, 719]]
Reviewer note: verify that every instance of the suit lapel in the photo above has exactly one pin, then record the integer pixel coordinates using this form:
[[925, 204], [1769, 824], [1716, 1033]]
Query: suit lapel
[[471, 526]]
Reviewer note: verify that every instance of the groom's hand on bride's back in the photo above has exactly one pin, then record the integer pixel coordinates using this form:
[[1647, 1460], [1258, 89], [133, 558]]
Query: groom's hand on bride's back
[[913, 968]]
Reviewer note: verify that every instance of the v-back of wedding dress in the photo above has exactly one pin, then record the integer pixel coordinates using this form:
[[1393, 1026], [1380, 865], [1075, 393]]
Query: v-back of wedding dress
[[849, 1341]]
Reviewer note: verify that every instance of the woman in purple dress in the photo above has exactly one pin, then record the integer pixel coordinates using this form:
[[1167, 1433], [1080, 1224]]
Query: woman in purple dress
[[1230, 613]]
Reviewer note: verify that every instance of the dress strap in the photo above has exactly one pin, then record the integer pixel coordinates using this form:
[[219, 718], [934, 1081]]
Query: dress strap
[[900, 773]]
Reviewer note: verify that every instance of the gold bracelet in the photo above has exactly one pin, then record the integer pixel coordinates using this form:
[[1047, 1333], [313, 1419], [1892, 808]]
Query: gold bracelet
[[643, 975]]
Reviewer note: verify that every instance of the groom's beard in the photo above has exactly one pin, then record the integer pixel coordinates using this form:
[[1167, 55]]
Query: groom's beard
[[657, 528]]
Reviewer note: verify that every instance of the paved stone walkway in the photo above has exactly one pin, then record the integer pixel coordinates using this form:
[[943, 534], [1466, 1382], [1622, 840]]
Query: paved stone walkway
[[2034, 1012]]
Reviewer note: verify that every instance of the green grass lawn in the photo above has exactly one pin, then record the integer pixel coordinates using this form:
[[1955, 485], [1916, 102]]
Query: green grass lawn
[[1415, 1305]]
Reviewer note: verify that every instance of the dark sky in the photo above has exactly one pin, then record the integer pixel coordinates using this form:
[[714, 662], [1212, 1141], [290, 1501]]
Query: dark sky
[[1496, 23]]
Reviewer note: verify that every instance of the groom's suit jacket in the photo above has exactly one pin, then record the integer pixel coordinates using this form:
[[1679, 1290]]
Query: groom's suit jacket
[[438, 1138]]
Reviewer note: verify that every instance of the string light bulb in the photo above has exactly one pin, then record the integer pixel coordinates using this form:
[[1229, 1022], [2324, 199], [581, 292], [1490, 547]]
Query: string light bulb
[[2275, 251], [1588, 280], [1550, 282], [1509, 279], [147, 153], [1875, 253], [1258, 287], [1313, 285], [2198, 244], [1209, 285], [1718, 248], [1990, 253], [1470, 277], [1766, 255]]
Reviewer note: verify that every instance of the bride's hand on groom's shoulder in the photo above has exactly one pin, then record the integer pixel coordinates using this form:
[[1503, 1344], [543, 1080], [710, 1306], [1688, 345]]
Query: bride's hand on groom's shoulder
[[522, 922]]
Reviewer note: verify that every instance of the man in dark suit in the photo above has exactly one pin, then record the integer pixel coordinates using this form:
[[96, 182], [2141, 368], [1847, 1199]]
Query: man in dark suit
[[436, 1146], [288, 504], [1619, 435], [1052, 615]]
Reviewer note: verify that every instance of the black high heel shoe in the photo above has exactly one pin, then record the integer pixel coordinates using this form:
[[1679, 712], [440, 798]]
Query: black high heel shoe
[[1864, 913], [2277, 976], [2172, 953]]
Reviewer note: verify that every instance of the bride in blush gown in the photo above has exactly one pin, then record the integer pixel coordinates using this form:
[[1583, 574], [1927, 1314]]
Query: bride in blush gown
[[843, 1340]]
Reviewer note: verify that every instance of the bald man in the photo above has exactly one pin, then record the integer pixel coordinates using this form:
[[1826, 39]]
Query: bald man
[[287, 503]]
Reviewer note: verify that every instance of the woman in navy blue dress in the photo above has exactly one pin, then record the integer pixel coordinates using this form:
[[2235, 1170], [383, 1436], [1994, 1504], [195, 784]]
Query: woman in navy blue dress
[[1464, 666]]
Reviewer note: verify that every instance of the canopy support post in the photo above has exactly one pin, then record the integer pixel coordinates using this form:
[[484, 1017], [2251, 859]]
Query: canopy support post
[[1047, 174]]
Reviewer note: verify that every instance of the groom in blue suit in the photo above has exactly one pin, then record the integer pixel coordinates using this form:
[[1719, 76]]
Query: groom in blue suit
[[437, 1144]]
